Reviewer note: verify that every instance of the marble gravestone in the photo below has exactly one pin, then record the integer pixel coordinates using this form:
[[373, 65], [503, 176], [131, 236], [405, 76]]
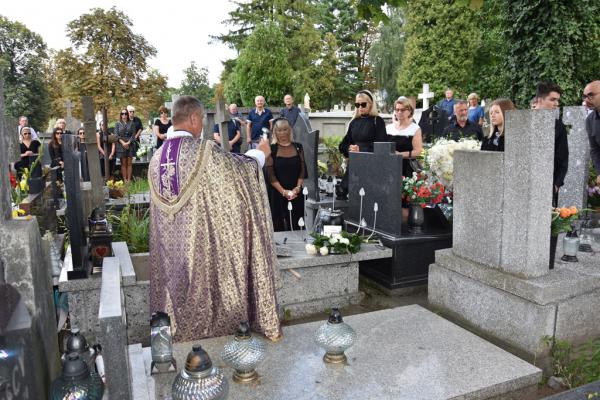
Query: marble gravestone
[[309, 139], [75, 216], [574, 191], [380, 175], [496, 278]]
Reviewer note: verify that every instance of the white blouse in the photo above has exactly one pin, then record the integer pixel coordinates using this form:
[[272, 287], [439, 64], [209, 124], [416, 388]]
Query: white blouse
[[408, 131]]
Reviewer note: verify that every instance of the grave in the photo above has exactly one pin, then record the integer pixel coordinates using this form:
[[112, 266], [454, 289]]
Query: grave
[[412, 252], [496, 278], [572, 193], [24, 271], [434, 360]]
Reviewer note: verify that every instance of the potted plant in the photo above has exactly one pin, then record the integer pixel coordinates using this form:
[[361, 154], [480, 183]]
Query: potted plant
[[563, 220]]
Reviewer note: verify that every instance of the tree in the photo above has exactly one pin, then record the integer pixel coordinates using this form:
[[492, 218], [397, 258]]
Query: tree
[[195, 83], [22, 62], [441, 39], [109, 61], [385, 54], [262, 68], [551, 41]]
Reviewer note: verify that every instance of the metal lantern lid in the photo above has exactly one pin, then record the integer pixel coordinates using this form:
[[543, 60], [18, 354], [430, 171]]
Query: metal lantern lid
[[243, 331], [160, 318], [74, 367], [199, 379], [76, 342], [198, 361], [335, 317]]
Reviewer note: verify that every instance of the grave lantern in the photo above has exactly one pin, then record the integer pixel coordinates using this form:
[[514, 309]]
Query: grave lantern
[[570, 246], [199, 379], [335, 337], [76, 381], [76, 343], [100, 233], [161, 343], [243, 354]]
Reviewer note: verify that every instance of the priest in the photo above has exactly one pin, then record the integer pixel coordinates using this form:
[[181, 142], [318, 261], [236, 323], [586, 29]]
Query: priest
[[211, 250]]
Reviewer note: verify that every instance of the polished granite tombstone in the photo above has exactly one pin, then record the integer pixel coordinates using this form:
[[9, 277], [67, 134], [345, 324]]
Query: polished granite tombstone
[[406, 353], [309, 139], [380, 175]]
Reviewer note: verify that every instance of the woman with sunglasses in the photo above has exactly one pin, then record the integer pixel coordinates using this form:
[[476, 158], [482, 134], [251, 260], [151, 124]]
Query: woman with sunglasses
[[29, 150], [81, 146], [161, 126], [101, 139], [366, 128], [125, 133], [56, 152], [495, 140], [405, 133]]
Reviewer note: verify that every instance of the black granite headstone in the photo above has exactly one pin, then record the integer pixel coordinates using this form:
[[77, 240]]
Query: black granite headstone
[[75, 217], [309, 140], [380, 175]]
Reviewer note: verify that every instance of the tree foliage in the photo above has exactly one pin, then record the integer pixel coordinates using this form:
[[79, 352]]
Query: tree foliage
[[551, 41], [195, 83], [109, 62], [262, 68], [22, 62], [441, 39], [385, 54]]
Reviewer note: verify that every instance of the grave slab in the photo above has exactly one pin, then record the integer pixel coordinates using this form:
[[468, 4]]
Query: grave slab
[[573, 192], [434, 360]]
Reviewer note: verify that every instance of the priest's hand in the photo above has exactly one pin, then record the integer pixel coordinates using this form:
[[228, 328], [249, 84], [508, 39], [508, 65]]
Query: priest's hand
[[265, 147]]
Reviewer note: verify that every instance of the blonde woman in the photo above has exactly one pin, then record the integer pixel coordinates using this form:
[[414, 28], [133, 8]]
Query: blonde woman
[[405, 133], [476, 113], [495, 139]]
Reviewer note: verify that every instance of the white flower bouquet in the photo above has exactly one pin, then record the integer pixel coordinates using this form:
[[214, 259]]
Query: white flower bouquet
[[439, 158]]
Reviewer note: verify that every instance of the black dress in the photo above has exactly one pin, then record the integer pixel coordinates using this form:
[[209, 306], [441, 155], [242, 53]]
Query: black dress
[[56, 155], [162, 129], [494, 142], [26, 162], [285, 165]]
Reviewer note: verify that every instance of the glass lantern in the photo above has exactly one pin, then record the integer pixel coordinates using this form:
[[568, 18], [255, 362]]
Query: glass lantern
[[586, 237], [161, 343], [335, 337], [76, 381], [570, 246], [243, 354], [199, 380]]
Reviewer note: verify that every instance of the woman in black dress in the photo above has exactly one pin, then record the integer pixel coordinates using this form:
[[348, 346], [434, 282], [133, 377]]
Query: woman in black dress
[[365, 128], [161, 126], [101, 139], [56, 152], [29, 151], [286, 171], [495, 140], [405, 133], [126, 145]]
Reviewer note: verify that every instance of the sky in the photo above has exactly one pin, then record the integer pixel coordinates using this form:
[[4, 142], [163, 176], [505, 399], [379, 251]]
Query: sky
[[179, 30]]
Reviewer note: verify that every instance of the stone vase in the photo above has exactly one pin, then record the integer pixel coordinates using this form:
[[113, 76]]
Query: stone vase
[[416, 218], [553, 243]]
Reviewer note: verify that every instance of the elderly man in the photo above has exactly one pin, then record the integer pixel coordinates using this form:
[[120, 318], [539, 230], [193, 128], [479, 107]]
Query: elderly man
[[23, 122], [258, 118], [591, 97], [137, 123], [233, 130], [62, 124], [290, 111], [547, 98], [211, 250], [447, 104], [462, 127]]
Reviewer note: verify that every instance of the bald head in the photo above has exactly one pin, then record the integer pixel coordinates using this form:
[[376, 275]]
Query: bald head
[[591, 95]]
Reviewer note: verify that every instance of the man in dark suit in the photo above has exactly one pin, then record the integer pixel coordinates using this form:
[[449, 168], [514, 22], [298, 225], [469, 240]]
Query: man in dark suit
[[591, 96], [548, 98]]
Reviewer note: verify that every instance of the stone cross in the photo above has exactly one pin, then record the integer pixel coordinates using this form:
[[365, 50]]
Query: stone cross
[[93, 159], [222, 119], [380, 175], [574, 191], [426, 95], [309, 140]]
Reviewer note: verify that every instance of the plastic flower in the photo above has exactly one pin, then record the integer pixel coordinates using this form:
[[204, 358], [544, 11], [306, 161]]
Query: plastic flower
[[345, 241], [333, 241], [324, 251], [311, 249], [13, 180]]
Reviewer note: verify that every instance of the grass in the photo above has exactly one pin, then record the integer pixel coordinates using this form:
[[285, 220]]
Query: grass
[[576, 365], [138, 185], [132, 226]]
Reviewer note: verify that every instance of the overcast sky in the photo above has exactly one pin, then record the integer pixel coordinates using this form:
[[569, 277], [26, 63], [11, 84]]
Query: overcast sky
[[179, 30]]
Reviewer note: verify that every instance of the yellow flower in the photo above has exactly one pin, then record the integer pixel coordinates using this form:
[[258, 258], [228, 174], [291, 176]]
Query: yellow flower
[[23, 185]]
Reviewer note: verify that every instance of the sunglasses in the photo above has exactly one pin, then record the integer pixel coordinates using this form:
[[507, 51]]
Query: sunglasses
[[26, 133], [124, 113], [401, 109], [59, 133], [364, 104], [588, 96]]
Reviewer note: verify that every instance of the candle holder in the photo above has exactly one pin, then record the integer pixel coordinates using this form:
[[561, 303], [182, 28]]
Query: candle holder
[[161, 343], [570, 246], [199, 379], [335, 337], [243, 354], [76, 381]]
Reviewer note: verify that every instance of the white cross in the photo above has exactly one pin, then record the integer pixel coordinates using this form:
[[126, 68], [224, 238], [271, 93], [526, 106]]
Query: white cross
[[426, 95], [169, 161]]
